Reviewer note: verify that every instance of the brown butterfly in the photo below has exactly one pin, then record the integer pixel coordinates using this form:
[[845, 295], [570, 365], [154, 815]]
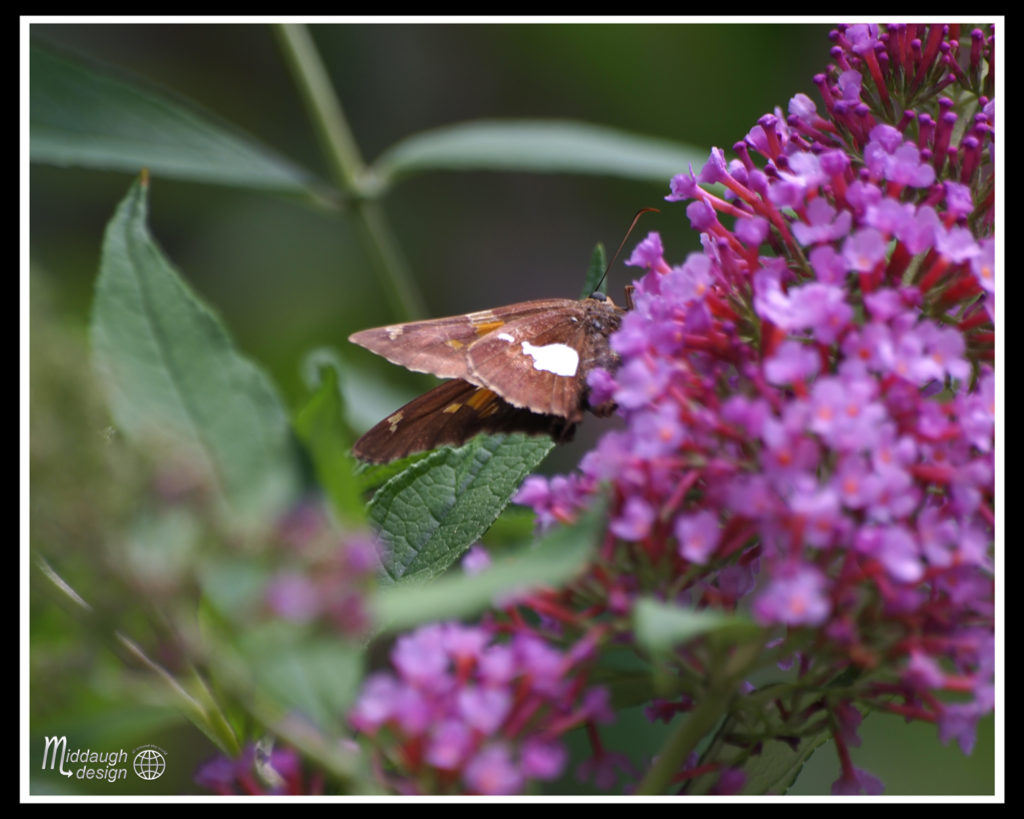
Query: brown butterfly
[[520, 368]]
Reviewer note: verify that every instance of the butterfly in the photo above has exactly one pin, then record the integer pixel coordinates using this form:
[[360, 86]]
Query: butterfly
[[518, 368]]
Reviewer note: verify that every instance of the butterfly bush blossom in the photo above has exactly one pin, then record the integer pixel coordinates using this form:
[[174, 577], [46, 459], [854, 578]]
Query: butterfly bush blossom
[[809, 407], [809, 400], [467, 713]]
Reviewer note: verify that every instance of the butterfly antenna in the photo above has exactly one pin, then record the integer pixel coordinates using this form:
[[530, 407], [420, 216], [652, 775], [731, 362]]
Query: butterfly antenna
[[622, 244]]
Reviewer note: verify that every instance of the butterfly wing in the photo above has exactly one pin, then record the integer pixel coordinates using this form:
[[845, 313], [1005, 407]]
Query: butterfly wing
[[540, 361], [439, 346], [451, 414]]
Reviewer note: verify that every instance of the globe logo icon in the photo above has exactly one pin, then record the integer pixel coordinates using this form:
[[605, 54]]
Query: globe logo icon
[[149, 764]]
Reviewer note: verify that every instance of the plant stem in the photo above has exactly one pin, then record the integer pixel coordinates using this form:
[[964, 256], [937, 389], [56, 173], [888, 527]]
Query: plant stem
[[712, 705], [683, 741], [348, 170]]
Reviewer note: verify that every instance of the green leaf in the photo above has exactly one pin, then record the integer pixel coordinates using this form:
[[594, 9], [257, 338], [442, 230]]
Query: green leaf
[[763, 746], [365, 399], [546, 146], [432, 512], [779, 763], [316, 675], [234, 586], [92, 118], [660, 626], [372, 477], [174, 378], [320, 426], [553, 560], [515, 526], [595, 272]]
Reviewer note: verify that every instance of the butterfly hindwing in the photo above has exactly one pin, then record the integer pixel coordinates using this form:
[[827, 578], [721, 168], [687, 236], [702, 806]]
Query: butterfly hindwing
[[450, 414]]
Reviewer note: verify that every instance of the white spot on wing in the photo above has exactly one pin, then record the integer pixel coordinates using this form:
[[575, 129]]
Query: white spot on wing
[[560, 359], [506, 337]]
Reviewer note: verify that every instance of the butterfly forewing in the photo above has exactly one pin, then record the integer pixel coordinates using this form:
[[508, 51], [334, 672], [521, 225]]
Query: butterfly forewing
[[541, 361], [439, 346], [534, 362], [451, 414]]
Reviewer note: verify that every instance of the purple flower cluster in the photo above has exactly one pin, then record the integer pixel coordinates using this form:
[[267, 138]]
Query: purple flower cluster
[[465, 713], [277, 772], [331, 575], [810, 400]]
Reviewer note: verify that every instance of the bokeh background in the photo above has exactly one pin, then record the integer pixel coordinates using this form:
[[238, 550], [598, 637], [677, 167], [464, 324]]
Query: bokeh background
[[287, 277]]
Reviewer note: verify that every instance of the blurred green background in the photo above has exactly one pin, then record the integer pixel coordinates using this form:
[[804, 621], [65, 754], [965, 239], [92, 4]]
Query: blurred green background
[[287, 277]]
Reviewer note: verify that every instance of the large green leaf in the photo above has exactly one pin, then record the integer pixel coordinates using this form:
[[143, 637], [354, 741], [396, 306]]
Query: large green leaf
[[321, 426], [553, 560], [174, 377], [82, 116], [552, 146], [429, 514]]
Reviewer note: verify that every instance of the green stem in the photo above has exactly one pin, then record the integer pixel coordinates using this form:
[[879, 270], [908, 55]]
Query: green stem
[[349, 171], [322, 105], [683, 740], [206, 715], [723, 683]]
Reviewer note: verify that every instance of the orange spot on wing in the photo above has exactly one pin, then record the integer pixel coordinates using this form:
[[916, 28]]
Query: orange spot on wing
[[481, 399], [486, 327]]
